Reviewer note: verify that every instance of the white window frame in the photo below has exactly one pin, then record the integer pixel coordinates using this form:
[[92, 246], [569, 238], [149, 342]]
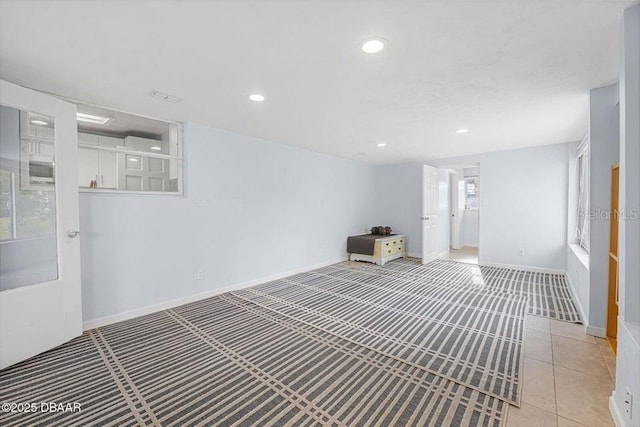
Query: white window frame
[[583, 166], [179, 157]]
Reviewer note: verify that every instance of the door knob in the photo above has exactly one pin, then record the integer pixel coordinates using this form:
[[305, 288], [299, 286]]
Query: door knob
[[73, 233]]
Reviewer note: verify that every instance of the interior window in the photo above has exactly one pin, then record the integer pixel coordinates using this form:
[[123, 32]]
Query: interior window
[[120, 152]]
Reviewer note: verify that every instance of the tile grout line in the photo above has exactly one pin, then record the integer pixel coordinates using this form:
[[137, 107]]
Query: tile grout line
[[553, 368], [604, 362], [604, 358], [573, 370]]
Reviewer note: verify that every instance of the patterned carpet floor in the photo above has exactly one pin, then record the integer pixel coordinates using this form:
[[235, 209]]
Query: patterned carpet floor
[[548, 293], [349, 344]]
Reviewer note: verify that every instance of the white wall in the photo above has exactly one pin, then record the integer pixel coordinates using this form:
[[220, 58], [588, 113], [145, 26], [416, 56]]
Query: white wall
[[269, 209], [524, 205], [628, 358], [398, 201], [604, 136]]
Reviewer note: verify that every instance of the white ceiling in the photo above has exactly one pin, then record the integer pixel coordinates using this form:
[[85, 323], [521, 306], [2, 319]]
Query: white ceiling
[[516, 73], [122, 124]]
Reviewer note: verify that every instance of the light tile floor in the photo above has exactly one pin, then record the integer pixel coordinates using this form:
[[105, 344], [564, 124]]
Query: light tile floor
[[464, 254], [568, 377]]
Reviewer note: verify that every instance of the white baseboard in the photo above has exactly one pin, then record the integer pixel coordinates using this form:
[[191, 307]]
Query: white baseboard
[[596, 332], [443, 253], [414, 255], [615, 411], [576, 300], [522, 267], [126, 315], [470, 245]]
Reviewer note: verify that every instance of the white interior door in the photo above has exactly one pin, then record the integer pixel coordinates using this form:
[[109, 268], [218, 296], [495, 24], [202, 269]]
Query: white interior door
[[40, 302], [429, 214], [454, 215]]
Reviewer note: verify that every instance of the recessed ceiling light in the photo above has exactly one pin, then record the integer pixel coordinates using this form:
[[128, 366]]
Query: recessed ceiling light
[[39, 122], [381, 144], [89, 118], [132, 159], [462, 131], [156, 148], [256, 97], [373, 45]]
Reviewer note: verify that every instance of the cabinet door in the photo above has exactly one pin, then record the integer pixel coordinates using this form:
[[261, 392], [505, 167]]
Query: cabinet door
[[108, 141], [108, 170], [87, 139], [88, 166], [45, 133]]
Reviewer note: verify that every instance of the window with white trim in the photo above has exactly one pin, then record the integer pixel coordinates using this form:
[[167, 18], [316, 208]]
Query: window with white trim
[[582, 226], [121, 152]]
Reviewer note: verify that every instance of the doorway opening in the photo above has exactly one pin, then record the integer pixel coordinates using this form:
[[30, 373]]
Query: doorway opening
[[463, 214]]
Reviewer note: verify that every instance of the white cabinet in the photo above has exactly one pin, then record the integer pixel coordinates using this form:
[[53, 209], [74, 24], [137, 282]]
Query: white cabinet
[[108, 170], [109, 162], [87, 139], [96, 164], [142, 144], [88, 166], [44, 133], [108, 141]]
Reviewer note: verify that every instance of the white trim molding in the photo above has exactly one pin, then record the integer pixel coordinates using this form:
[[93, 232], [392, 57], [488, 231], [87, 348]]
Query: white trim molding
[[580, 253], [615, 411], [126, 315], [522, 267], [576, 300], [596, 331]]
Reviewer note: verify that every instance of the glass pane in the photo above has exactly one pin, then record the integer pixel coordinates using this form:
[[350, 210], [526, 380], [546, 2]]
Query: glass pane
[[156, 165], [134, 183], [6, 205], [155, 184], [133, 162], [28, 242]]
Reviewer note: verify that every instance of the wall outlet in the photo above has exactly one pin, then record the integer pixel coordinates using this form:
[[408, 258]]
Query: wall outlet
[[521, 252], [199, 274], [628, 402]]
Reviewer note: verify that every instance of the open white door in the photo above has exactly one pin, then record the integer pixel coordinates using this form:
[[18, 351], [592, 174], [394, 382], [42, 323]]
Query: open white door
[[454, 211], [429, 214], [40, 302]]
